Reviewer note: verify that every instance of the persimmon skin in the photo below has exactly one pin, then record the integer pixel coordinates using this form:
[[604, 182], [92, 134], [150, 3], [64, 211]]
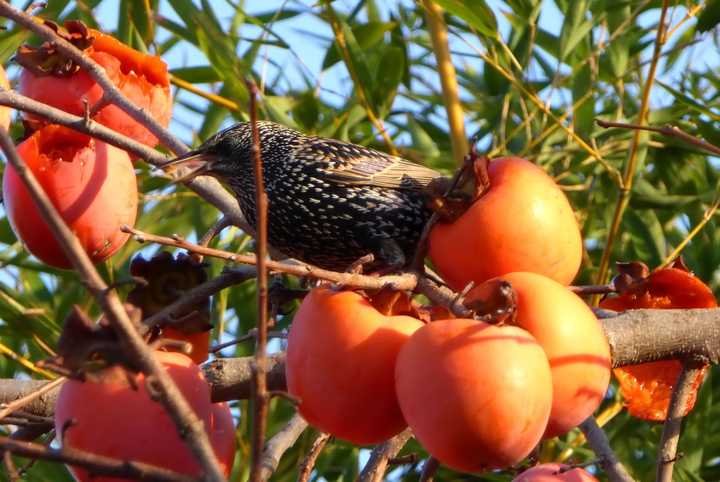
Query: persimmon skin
[[142, 78], [340, 357], [573, 341], [140, 427], [5, 112], [92, 185], [523, 222], [551, 473], [647, 387], [200, 342], [476, 396], [222, 436]]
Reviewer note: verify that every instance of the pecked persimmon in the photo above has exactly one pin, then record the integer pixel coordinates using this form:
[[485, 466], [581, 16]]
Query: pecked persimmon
[[523, 222], [5, 112], [88, 412], [573, 341], [647, 387], [552, 473], [142, 78], [340, 357], [476, 396], [92, 185]]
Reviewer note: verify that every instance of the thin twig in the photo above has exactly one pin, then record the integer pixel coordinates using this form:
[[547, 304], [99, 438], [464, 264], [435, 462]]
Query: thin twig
[[308, 463], [95, 464], [683, 390], [668, 130], [110, 91], [170, 396], [260, 395], [374, 470], [278, 445], [8, 408], [405, 281], [598, 442], [428, 472], [631, 164]]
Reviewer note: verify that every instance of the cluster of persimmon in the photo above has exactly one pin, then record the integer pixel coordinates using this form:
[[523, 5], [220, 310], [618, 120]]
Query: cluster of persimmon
[[477, 394], [92, 184]]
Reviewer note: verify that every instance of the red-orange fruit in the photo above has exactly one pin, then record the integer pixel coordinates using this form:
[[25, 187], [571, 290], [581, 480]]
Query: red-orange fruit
[[140, 427], [552, 473], [523, 222], [5, 112], [476, 396], [222, 436], [92, 185], [340, 358], [573, 341], [647, 388], [199, 342], [142, 78]]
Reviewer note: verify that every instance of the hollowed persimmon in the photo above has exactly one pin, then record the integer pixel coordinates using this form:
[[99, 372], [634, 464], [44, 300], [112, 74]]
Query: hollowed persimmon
[[340, 358], [522, 222]]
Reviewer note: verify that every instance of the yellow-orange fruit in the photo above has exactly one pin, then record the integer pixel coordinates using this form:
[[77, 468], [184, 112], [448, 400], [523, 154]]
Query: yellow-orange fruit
[[340, 358], [476, 396], [523, 222], [573, 340]]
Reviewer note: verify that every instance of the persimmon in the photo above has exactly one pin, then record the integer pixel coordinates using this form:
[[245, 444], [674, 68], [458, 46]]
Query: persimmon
[[340, 356], [5, 112], [222, 436], [476, 396], [92, 185], [647, 387], [555, 473], [142, 78], [116, 418], [522, 222], [573, 341]]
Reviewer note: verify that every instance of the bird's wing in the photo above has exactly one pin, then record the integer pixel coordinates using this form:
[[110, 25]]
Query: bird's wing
[[356, 165]]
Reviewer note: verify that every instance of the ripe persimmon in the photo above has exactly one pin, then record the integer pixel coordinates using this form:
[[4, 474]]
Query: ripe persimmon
[[647, 387], [92, 185], [222, 436], [340, 357], [552, 473], [142, 78], [573, 341], [523, 222], [118, 418], [476, 396]]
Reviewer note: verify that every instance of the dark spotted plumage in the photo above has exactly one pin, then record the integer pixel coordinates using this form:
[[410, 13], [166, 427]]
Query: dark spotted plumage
[[330, 202]]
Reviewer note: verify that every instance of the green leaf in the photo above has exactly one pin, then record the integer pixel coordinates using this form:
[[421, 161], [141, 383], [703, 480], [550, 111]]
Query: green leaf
[[476, 13], [387, 79], [709, 16], [366, 35]]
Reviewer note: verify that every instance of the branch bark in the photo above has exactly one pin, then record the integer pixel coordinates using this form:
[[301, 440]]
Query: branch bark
[[278, 445], [599, 443], [374, 470]]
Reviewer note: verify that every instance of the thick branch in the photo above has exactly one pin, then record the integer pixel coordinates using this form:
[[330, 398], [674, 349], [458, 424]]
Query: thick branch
[[374, 470]]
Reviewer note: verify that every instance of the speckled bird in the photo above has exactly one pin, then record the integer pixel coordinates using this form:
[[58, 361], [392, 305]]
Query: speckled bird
[[329, 202]]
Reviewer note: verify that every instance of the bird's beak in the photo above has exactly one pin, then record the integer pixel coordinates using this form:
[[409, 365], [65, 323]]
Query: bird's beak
[[190, 165]]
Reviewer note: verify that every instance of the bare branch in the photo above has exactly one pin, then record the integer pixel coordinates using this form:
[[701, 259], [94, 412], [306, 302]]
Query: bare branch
[[8, 408], [598, 442], [667, 453], [278, 445], [230, 378], [374, 470], [308, 463], [669, 131], [95, 464]]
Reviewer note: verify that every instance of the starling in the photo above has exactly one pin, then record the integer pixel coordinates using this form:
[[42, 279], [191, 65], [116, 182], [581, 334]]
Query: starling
[[329, 202]]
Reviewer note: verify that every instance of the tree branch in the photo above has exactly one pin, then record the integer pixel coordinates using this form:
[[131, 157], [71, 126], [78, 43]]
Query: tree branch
[[374, 470], [308, 463], [598, 442], [278, 445], [667, 453]]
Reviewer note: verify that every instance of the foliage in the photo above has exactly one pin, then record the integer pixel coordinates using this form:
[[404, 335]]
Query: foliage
[[533, 78]]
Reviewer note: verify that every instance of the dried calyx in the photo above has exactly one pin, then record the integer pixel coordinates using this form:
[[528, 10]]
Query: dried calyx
[[46, 59]]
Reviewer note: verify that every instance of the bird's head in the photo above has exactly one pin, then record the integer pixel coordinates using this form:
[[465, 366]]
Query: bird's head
[[225, 154]]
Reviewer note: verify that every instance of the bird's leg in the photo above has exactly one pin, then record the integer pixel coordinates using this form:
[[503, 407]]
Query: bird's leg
[[391, 255], [357, 266]]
